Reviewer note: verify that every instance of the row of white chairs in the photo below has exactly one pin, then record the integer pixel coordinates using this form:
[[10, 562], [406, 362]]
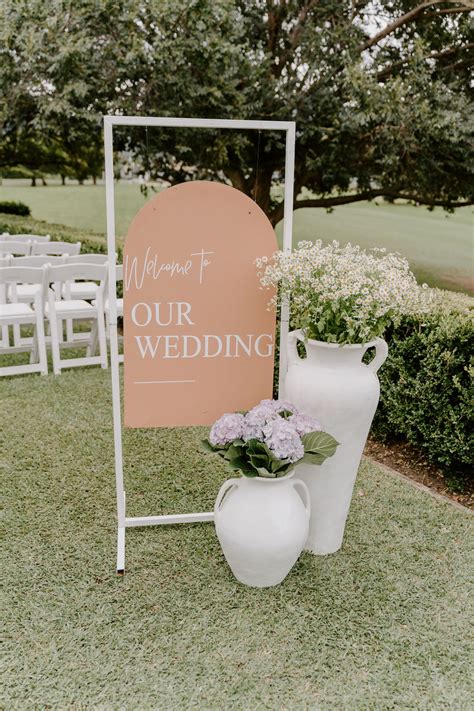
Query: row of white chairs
[[20, 237], [80, 290], [35, 291], [77, 290], [11, 247]]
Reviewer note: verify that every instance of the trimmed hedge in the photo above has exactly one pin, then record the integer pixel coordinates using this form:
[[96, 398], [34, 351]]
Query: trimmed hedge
[[427, 385], [14, 208]]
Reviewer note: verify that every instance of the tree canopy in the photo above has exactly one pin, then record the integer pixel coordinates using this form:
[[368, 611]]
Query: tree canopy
[[379, 90]]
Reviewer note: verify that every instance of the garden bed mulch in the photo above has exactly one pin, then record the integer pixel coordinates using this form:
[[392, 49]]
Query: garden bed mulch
[[410, 462]]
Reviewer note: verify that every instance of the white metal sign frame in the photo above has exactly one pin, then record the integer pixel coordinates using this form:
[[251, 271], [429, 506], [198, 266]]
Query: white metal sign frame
[[289, 127]]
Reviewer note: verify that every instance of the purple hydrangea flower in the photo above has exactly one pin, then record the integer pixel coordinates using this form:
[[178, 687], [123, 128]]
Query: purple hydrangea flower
[[280, 405], [256, 419], [226, 429], [283, 440], [304, 423]]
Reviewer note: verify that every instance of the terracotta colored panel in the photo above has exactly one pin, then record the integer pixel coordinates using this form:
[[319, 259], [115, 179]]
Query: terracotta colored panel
[[199, 339]]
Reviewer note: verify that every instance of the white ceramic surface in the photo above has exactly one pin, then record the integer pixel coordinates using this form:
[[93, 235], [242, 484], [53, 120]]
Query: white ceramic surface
[[334, 385], [262, 526]]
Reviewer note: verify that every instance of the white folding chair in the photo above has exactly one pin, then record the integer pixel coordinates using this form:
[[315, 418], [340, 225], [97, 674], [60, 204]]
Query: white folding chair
[[22, 314], [9, 247], [61, 309], [80, 289], [92, 258], [25, 293], [118, 277], [119, 302], [4, 339], [27, 238], [56, 248]]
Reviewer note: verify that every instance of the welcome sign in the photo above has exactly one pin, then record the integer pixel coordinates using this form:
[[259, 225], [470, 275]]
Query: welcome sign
[[198, 336]]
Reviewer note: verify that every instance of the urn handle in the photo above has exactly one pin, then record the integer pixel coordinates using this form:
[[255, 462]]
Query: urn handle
[[381, 353], [293, 338], [226, 487], [306, 497]]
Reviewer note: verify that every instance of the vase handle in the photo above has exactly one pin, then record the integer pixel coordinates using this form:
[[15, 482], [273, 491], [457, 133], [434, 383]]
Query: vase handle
[[293, 338], [381, 353], [226, 486], [306, 496]]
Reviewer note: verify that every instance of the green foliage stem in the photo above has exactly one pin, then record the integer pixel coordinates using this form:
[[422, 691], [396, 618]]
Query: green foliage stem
[[253, 458]]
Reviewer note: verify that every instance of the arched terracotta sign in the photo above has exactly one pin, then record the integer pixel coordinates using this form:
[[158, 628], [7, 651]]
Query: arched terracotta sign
[[199, 338]]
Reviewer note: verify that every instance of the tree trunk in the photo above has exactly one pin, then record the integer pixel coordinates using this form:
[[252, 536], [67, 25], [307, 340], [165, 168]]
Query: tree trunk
[[33, 181], [261, 189], [256, 187], [237, 179], [43, 181], [63, 180], [94, 179]]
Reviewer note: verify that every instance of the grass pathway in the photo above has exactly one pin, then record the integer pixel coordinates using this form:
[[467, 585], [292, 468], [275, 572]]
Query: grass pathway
[[379, 625]]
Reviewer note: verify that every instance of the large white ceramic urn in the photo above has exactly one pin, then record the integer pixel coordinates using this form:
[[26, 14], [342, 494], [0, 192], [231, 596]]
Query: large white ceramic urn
[[335, 386]]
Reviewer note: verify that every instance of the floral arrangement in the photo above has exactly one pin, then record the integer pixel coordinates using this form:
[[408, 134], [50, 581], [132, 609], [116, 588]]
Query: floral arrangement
[[342, 294], [269, 440]]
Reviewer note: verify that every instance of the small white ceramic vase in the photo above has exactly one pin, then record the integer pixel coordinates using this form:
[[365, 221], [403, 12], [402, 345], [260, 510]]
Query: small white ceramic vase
[[333, 385], [262, 525]]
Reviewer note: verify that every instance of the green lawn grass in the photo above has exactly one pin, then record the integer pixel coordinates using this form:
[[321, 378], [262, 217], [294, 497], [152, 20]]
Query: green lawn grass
[[439, 246], [380, 625], [81, 206]]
